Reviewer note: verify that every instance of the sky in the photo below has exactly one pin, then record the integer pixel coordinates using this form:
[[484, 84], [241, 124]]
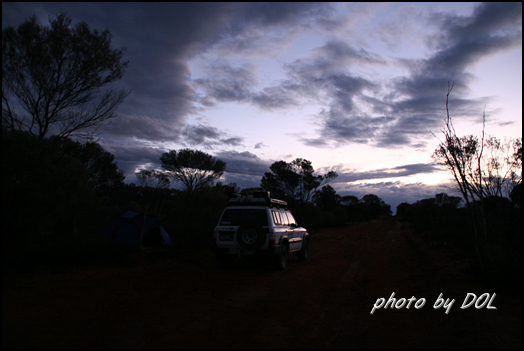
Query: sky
[[357, 88]]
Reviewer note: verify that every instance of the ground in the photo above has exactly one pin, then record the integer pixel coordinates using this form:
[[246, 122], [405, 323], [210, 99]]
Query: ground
[[191, 301]]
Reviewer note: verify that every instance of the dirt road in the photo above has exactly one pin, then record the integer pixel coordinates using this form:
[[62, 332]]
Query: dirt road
[[324, 302]]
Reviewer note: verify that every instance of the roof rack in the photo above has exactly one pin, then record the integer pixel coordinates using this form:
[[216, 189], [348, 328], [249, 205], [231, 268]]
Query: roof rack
[[259, 198]]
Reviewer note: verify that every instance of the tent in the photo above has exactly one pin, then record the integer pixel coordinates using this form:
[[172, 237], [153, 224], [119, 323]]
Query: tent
[[127, 228]]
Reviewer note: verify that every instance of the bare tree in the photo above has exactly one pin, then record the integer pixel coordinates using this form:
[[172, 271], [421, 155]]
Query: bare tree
[[195, 169], [482, 167], [56, 75]]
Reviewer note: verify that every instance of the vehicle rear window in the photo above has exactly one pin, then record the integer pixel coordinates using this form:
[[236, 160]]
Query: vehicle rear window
[[244, 216]]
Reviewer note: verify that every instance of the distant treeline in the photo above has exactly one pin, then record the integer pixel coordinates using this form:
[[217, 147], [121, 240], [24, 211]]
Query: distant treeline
[[58, 193]]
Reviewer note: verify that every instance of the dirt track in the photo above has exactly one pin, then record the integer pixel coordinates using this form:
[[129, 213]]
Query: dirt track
[[324, 302]]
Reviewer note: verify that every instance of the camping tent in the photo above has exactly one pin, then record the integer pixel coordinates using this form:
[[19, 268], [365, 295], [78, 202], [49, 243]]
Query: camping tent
[[127, 228]]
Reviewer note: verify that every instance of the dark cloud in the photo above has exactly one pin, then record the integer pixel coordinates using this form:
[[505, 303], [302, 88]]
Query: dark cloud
[[415, 104], [345, 176], [462, 41], [227, 83], [238, 84], [339, 128], [142, 127], [207, 137], [326, 77], [276, 97], [245, 163], [159, 39], [131, 156], [255, 27]]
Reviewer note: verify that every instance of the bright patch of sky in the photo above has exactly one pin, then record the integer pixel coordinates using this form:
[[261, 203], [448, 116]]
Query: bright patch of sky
[[358, 88]]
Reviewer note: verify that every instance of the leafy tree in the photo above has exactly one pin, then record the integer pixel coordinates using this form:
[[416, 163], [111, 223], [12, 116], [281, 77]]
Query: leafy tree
[[349, 200], [195, 169], [375, 206], [295, 181], [403, 209], [48, 195], [327, 198], [229, 189], [444, 200], [438, 217], [103, 171], [369, 207], [56, 74]]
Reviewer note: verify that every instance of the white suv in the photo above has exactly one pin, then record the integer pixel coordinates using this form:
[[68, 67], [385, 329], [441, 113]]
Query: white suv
[[259, 225]]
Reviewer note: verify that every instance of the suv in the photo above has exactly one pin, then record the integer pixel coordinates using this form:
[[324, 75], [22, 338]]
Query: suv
[[259, 225]]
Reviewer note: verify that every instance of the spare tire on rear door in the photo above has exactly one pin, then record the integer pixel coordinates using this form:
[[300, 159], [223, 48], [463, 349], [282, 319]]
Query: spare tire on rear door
[[251, 237]]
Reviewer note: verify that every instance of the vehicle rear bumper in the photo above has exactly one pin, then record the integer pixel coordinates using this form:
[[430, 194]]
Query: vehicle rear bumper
[[271, 250]]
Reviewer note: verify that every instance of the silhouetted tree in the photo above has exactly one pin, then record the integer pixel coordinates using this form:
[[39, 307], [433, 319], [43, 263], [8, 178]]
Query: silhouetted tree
[[349, 200], [56, 74], [327, 198], [48, 194], [403, 209], [294, 181], [195, 169], [152, 179], [439, 217], [229, 189], [375, 206], [482, 167], [103, 171], [369, 207]]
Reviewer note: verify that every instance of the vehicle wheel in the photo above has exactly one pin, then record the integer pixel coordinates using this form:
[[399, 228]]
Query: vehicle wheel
[[281, 259], [303, 253], [251, 237]]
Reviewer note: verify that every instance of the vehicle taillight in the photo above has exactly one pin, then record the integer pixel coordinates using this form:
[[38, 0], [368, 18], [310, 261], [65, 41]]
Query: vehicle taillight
[[271, 238]]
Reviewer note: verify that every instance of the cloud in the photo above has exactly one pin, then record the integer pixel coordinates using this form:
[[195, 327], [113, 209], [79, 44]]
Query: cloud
[[264, 28], [207, 137], [337, 77], [133, 156], [494, 27], [349, 176], [227, 83], [460, 42], [245, 163], [243, 168], [239, 84], [409, 107], [142, 127], [273, 98]]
